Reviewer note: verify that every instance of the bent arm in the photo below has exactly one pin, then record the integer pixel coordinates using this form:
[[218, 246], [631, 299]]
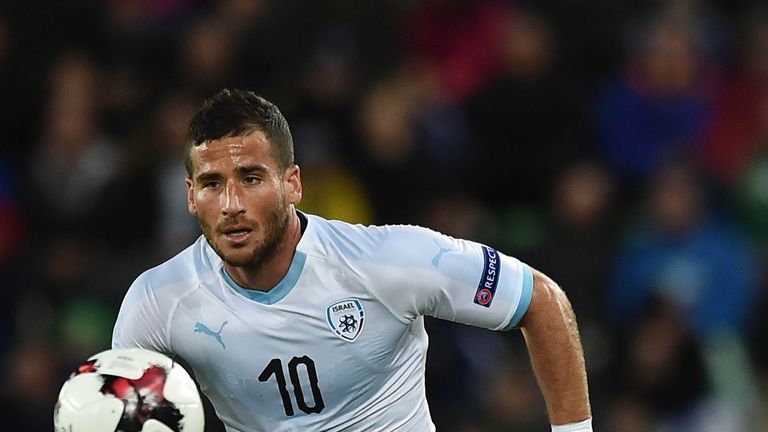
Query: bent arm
[[552, 336]]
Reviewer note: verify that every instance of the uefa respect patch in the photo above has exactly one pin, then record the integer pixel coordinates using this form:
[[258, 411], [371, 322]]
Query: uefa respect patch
[[486, 289]]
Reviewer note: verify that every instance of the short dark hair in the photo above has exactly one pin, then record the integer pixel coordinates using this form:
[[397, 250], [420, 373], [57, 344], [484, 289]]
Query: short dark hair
[[232, 113]]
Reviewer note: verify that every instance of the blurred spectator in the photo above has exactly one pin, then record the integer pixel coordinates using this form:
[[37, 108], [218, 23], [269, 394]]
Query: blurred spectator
[[759, 349], [405, 126], [32, 385], [138, 34], [176, 228], [751, 196], [11, 223], [589, 36], [699, 264], [249, 23], [738, 154], [62, 300], [658, 108], [685, 253], [138, 50], [5, 42], [628, 414], [153, 176], [12, 239], [330, 86], [580, 237], [660, 374], [456, 40], [508, 401], [738, 151], [391, 154], [207, 57], [739, 126], [527, 122], [335, 192], [460, 215], [322, 128], [75, 160]]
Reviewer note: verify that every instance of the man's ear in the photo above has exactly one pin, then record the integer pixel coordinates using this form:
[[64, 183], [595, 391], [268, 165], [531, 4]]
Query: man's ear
[[191, 206], [292, 184]]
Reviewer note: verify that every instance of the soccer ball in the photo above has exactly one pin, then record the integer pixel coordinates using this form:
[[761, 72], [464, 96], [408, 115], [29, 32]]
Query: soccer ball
[[129, 390]]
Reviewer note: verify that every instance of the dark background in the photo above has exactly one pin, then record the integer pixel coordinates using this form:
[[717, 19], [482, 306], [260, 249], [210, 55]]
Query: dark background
[[620, 147]]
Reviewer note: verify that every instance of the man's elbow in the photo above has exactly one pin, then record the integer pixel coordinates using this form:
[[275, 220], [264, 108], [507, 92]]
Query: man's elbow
[[549, 303]]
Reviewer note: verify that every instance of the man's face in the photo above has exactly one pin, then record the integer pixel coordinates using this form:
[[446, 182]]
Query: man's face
[[241, 198]]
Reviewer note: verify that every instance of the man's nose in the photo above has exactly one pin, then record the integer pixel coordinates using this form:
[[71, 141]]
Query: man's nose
[[232, 203]]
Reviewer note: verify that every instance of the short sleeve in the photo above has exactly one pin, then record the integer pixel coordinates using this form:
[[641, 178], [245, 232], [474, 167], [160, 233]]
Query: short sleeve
[[140, 323], [416, 271]]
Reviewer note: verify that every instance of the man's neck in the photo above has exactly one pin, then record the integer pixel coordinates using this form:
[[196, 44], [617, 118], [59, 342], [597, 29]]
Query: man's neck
[[274, 268]]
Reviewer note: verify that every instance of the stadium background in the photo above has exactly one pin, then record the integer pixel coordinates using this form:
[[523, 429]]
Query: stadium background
[[621, 147]]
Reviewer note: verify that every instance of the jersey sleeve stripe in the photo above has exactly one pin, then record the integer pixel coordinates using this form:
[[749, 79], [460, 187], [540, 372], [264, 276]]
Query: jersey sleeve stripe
[[526, 292]]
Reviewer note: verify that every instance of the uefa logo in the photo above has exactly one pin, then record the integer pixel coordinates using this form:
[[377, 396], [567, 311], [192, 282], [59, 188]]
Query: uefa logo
[[484, 296]]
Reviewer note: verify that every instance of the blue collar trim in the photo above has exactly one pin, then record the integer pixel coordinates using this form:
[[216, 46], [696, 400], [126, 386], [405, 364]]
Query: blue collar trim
[[279, 291]]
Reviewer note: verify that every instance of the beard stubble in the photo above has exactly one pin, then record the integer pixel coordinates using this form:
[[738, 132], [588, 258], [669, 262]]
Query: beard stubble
[[275, 229]]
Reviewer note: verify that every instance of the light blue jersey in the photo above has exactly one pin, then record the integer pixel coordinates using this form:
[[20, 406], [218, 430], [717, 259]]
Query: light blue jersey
[[339, 344]]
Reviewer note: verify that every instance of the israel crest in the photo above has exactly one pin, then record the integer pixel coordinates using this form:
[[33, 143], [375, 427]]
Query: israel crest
[[345, 318]]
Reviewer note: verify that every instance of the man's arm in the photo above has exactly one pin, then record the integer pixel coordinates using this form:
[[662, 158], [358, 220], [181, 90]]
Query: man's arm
[[552, 336]]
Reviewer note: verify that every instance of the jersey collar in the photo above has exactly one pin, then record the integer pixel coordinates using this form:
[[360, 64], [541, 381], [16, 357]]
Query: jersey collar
[[279, 291]]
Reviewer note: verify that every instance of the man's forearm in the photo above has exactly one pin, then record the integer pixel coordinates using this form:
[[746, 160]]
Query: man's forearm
[[552, 336]]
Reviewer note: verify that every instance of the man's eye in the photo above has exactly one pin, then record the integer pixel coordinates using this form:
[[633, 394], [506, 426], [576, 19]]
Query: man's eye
[[211, 184], [252, 180]]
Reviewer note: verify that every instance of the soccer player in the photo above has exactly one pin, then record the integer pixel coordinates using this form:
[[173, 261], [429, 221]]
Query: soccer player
[[292, 322]]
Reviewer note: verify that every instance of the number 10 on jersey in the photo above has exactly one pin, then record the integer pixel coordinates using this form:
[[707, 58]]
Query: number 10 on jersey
[[275, 367]]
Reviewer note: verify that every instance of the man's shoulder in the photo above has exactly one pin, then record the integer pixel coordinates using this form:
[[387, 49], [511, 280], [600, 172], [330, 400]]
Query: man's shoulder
[[361, 241], [188, 266]]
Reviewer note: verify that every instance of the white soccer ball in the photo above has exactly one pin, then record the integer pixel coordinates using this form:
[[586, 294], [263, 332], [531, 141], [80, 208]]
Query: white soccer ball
[[129, 390]]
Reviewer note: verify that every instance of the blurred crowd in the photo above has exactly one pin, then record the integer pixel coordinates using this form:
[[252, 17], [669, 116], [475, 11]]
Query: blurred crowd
[[620, 147]]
